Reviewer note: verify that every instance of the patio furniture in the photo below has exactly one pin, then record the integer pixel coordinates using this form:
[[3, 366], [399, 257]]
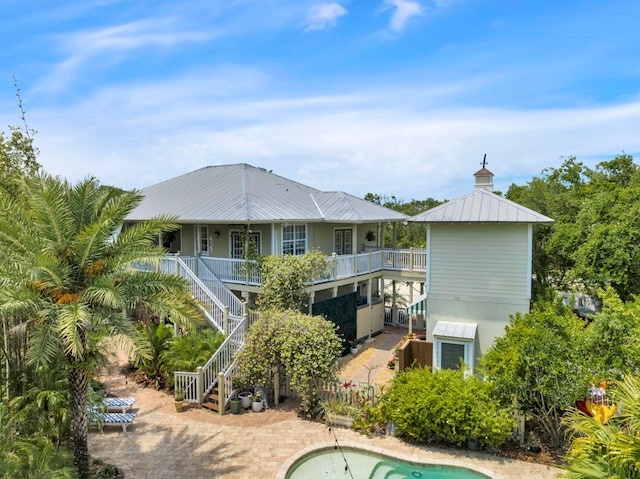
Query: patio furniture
[[102, 419], [120, 404]]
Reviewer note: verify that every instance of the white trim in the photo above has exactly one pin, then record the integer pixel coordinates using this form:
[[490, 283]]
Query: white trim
[[467, 342], [427, 284], [529, 260]]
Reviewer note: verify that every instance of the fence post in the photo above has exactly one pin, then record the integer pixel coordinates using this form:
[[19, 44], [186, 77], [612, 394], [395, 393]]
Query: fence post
[[225, 320], [222, 394], [200, 385]]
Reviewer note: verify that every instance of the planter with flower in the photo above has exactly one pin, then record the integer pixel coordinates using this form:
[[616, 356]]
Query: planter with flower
[[353, 345], [257, 403], [178, 399]]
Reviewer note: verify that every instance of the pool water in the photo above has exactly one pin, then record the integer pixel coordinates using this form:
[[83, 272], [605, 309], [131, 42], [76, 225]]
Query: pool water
[[358, 464]]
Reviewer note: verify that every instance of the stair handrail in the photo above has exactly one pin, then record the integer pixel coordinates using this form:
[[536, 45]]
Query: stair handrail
[[218, 288], [211, 306]]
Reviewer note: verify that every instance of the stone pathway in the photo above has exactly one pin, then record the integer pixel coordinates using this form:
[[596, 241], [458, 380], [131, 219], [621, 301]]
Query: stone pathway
[[197, 444]]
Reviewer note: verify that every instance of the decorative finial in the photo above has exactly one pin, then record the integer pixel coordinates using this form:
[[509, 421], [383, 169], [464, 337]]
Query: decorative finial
[[484, 161]]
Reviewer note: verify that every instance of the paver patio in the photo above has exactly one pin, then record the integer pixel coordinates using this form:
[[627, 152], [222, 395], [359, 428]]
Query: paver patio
[[198, 444]]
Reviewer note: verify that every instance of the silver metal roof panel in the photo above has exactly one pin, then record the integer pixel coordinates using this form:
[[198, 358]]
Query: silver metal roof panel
[[242, 193], [450, 329], [480, 206]]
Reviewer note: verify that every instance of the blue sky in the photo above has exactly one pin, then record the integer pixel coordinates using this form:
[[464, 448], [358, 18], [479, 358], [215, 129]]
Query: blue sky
[[393, 97]]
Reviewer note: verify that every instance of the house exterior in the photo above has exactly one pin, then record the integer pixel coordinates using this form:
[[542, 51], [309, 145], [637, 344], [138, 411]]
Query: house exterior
[[478, 271], [231, 214]]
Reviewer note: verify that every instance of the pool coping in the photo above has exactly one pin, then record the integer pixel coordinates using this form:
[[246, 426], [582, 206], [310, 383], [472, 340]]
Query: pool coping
[[412, 458]]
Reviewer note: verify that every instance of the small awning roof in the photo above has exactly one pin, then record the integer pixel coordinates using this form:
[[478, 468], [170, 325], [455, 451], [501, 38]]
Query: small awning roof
[[450, 329], [419, 306]]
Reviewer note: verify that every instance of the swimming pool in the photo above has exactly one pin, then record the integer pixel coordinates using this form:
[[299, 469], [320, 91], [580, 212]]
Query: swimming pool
[[349, 462]]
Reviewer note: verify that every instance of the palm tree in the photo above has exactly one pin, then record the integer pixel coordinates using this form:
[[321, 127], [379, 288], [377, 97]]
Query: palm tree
[[609, 450], [67, 265]]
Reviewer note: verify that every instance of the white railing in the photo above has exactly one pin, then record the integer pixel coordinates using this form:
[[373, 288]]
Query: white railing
[[211, 306], [233, 270], [239, 271], [217, 287], [405, 260], [223, 358], [218, 370], [189, 384]]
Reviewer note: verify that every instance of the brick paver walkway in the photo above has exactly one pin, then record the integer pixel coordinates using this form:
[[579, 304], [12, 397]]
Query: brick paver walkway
[[198, 444]]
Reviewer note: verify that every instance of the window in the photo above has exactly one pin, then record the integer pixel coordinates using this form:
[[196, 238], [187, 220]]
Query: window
[[238, 244], [342, 241], [294, 239], [453, 342], [450, 355], [203, 238]]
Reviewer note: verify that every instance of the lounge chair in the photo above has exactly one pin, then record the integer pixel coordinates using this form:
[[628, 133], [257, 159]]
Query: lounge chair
[[119, 404], [102, 419]]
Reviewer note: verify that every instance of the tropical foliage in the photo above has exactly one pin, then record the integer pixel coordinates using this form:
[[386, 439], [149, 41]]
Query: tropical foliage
[[304, 347], [609, 450], [284, 279], [67, 278], [540, 367], [446, 406]]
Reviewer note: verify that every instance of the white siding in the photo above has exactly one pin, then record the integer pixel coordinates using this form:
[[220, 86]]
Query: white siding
[[479, 261]]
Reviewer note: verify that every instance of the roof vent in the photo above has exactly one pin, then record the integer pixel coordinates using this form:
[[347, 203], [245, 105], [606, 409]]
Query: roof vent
[[484, 178]]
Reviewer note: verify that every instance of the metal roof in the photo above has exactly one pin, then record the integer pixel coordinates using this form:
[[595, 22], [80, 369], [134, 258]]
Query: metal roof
[[450, 329], [242, 193], [480, 206]]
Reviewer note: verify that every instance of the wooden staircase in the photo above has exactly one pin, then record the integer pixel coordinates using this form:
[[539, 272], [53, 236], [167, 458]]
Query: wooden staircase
[[212, 400]]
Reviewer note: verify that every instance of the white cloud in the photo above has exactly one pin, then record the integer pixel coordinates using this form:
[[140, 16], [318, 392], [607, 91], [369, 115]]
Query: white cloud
[[324, 15], [108, 44], [365, 141], [404, 10]]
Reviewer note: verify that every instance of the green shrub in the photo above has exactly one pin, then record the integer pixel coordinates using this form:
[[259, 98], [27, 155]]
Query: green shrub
[[446, 406], [186, 353]]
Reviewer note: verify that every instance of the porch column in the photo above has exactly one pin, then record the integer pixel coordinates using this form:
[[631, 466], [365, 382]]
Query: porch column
[[369, 309], [312, 296], [394, 305]]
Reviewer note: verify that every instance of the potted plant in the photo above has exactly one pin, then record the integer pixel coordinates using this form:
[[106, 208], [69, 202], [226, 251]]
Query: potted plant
[[245, 399], [256, 402], [353, 344], [178, 399], [235, 405]]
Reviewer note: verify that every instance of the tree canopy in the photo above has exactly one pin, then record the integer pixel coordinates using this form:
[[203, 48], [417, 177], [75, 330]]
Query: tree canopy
[[594, 242], [407, 235]]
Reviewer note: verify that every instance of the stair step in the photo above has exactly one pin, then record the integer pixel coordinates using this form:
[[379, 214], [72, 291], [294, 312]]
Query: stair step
[[211, 406]]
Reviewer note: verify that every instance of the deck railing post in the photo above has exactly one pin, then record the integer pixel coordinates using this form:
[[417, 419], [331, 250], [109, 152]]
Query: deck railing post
[[225, 320], [200, 385], [222, 394], [411, 259], [334, 257]]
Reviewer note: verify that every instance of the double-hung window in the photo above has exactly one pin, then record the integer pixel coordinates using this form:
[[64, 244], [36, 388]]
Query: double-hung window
[[294, 239]]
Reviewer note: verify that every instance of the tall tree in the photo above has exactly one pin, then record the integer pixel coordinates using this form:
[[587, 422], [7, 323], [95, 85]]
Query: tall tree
[[539, 365], [594, 240], [64, 265]]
